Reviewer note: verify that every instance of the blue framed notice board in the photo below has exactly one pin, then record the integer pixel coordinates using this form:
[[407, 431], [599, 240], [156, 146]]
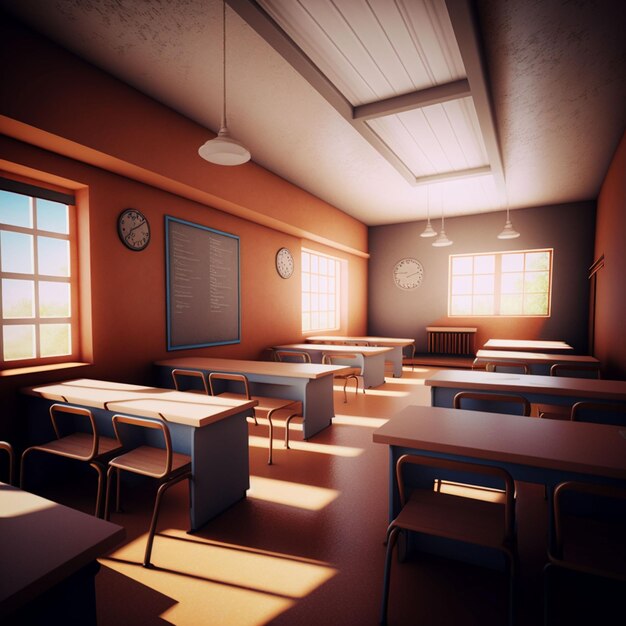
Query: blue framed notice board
[[202, 282]]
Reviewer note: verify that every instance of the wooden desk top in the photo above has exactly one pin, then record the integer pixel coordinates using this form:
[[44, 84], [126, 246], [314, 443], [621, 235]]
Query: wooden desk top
[[549, 385], [535, 357], [596, 449], [378, 341], [325, 347], [263, 368], [178, 407], [42, 543], [528, 345]]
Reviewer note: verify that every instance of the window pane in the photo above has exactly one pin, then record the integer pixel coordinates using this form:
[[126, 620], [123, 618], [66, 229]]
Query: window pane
[[52, 216], [323, 265], [536, 282], [323, 284], [306, 302], [462, 265], [513, 262], [484, 283], [485, 264], [536, 304], [461, 285], [54, 299], [314, 263], [306, 282], [19, 342], [483, 305], [15, 209], [54, 256], [18, 298], [461, 305], [17, 252], [512, 283], [55, 339], [306, 262], [315, 320], [332, 268], [537, 261], [511, 305]]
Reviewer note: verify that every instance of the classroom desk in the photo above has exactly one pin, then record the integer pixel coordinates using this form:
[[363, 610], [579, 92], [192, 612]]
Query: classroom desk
[[538, 362], [48, 558], [527, 345], [310, 383], [373, 358], [536, 389], [395, 343], [530, 449], [213, 431]]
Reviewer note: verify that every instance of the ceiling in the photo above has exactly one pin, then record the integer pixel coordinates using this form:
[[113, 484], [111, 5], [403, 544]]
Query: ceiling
[[391, 110]]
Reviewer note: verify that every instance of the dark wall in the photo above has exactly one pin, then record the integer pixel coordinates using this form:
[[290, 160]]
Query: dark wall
[[567, 228]]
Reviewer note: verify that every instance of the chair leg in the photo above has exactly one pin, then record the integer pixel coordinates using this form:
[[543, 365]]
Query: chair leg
[[155, 513], [345, 395], [392, 534], [271, 445], [287, 421], [22, 467], [106, 492], [101, 474]]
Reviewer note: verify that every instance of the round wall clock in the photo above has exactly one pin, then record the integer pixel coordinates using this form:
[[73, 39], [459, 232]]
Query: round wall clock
[[284, 263], [408, 273], [133, 229]]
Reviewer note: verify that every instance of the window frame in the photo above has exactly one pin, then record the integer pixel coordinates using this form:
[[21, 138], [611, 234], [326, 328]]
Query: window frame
[[336, 294]]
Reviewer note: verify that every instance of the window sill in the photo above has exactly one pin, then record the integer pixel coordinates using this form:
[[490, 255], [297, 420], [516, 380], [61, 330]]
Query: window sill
[[20, 371]]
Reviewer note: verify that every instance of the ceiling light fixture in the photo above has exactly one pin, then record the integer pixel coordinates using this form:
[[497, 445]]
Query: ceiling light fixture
[[508, 232], [429, 231], [223, 149], [442, 240]]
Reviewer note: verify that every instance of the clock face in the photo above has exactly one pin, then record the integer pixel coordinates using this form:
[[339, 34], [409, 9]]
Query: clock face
[[284, 263], [133, 229], [408, 273]]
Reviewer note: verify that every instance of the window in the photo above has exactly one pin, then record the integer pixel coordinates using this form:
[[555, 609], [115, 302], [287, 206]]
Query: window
[[501, 283], [38, 299], [320, 291]]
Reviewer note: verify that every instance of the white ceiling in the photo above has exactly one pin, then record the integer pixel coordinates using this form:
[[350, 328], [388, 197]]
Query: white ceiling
[[387, 109]]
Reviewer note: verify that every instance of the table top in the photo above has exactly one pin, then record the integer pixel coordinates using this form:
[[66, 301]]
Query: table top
[[531, 383], [325, 347], [178, 407], [535, 357], [42, 543], [528, 345], [264, 368], [378, 341], [581, 447]]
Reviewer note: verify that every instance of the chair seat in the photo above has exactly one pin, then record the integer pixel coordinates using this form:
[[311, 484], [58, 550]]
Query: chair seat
[[149, 461], [79, 446], [444, 515], [265, 404], [554, 411]]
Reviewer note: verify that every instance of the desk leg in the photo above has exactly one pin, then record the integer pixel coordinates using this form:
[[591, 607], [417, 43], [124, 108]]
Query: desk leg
[[374, 370], [395, 356]]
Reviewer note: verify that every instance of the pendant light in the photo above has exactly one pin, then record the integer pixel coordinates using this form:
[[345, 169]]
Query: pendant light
[[442, 240], [223, 149], [429, 231], [508, 232]]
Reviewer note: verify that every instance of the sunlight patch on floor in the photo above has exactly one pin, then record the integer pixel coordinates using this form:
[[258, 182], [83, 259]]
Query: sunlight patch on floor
[[291, 494], [308, 446], [404, 381], [355, 420], [377, 391]]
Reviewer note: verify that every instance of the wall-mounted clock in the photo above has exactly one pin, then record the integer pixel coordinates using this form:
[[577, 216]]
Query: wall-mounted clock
[[284, 263], [133, 229], [408, 273]]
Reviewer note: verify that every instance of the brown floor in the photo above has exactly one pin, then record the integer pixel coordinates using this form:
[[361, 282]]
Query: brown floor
[[306, 545]]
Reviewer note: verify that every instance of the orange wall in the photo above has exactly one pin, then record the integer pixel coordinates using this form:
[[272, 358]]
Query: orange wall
[[115, 132], [610, 339]]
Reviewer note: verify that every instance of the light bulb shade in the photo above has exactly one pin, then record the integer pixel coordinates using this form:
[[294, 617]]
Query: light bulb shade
[[224, 150], [429, 231], [508, 232], [442, 240]]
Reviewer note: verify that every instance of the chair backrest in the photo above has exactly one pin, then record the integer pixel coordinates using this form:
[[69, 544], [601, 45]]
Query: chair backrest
[[408, 352], [599, 413], [576, 370], [509, 367], [86, 421], [186, 380], [240, 378], [344, 358], [291, 356], [141, 422], [8, 448], [483, 474], [492, 402]]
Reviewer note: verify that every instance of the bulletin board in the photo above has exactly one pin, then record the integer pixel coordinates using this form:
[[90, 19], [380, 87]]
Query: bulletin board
[[203, 286]]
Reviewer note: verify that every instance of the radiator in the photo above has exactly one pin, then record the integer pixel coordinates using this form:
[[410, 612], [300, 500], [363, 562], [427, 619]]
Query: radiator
[[451, 340]]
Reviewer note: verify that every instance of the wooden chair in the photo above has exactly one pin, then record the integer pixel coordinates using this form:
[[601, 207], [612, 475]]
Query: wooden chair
[[492, 402], [589, 545], [509, 368], [599, 413], [576, 370], [289, 356], [8, 448], [478, 522], [353, 374], [266, 406], [186, 380], [168, 467], [408, 355], [89, 447]]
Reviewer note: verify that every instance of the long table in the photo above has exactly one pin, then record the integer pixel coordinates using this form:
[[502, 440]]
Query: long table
[[552, 390], [527, 345], [373, 358], [395, 343], [213, 431], [310, 383], [48, 558], [537, 362]]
